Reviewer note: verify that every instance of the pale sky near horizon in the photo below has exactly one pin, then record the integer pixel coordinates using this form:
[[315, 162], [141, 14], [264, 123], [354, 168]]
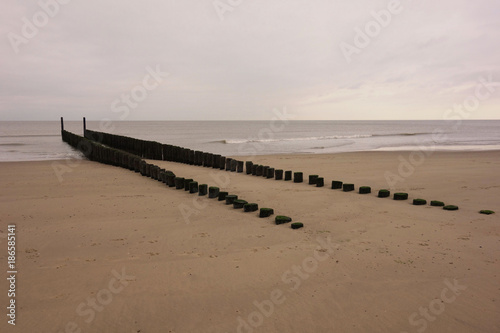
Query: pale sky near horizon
[[240, 59]]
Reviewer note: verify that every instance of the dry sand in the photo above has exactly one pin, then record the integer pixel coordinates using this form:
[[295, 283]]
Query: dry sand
[[360, 264]]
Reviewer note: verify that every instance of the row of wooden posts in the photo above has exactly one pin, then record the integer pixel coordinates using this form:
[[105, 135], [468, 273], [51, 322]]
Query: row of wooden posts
[[129, 152], [164, 152], [98, 152]]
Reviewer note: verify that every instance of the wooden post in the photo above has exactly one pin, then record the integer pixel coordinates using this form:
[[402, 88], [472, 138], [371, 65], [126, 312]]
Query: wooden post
[[320, 182], [297, 177], [248, 167], [84, 126], [270, 173], [62, 124], [222, 163], [264, 171]]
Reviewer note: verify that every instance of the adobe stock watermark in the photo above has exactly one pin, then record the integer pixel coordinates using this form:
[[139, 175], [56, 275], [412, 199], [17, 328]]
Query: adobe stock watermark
[[420, 320], [254, 145], [225, 6], [372, 29], [30, 28], [122, 105], [484, 89], [89, 309], [127, 101], [294, 277]]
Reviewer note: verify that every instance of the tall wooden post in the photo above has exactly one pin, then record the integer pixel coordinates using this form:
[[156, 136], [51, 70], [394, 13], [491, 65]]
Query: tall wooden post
[[84, 126], [62, 124]]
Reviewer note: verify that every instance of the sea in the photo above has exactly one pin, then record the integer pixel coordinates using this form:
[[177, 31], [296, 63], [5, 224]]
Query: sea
[[41, 140]]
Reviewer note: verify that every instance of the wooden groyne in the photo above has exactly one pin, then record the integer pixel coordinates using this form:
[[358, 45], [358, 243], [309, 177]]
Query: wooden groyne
[[128, 152]]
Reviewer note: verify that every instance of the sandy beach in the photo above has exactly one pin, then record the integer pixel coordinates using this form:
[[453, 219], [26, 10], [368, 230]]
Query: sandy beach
[[102, 249]]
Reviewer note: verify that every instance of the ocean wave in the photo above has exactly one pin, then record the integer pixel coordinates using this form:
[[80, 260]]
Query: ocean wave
[[314, 138]]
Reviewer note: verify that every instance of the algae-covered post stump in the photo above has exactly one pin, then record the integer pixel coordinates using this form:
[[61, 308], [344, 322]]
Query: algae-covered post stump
[[193, 187], [202, 189], [250, 207], [312, 179], [450, 207], [400, 196], [179, 183], [266, 212], [365, 190], [384, 193], [336, 184], [230, 199], [213, 192], [280, 219], [297, 225], [348, 187], [486, 212], [238, 203], [437, 203], [419, 202], [223, 195], [298, 177]]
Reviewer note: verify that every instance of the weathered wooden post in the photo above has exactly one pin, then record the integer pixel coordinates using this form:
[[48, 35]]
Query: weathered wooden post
[[186, 183], [288, 175], [278, 174], [250, 207], [238, 203], [228, 163], [230, 199], [193, 187], [62, 125], [202, 189], [320, 182], [348, 187], [248, 167], [265, 212], [270, 173], [312, 179], [222, 196], [254, 169], [213, 192], [222, 162], [264, 171], [179, 183], [383, 193], [365, 189], [84, 126], [298, 177], [259, 170], [234, 165], [336, 184], [240, 167]]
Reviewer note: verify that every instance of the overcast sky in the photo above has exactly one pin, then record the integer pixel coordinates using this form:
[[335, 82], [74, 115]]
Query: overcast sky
[[240, 59]]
